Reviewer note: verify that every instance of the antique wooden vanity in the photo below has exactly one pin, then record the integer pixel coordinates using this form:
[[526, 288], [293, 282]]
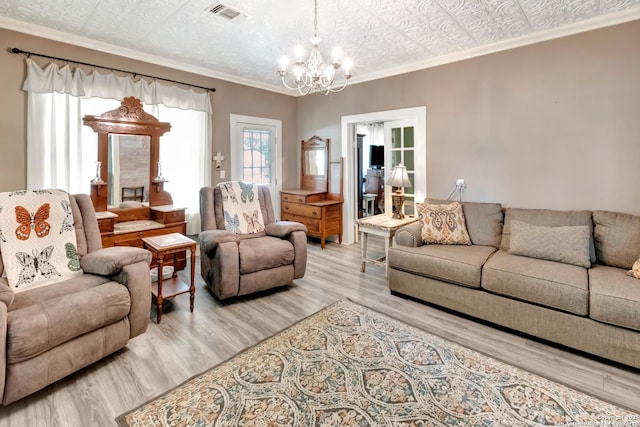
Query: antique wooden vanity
[[125, 223], [318, 202]]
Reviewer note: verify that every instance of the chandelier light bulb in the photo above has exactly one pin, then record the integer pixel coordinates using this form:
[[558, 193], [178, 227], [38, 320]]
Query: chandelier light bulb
[[284, 63], [315, 75], [336, 53]]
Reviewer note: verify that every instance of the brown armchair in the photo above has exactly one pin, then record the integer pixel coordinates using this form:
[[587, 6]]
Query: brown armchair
[[48, 332], [239, 264]]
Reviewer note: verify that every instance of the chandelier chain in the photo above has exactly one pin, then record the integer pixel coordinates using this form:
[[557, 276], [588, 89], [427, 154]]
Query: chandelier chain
[[315, 19]]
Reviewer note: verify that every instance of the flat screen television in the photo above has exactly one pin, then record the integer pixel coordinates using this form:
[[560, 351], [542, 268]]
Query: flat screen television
[[376, 156]]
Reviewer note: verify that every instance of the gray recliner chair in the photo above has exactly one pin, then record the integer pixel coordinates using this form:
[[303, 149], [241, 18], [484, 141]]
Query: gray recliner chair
[[49, 332], [239, 264]]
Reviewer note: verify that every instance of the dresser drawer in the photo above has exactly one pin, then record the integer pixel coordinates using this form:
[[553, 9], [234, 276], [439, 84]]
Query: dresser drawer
[[303, 210], [106, 225], [292, 198], [313, 225], [168, 217], [333, 211]]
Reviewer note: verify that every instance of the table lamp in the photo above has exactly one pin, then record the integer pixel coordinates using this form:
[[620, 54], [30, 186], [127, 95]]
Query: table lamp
[[398, 179]]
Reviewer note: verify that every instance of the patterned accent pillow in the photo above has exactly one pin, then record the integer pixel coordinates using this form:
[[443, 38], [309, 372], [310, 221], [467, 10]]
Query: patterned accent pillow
[[566, 244], [635, 270], [443, 224]]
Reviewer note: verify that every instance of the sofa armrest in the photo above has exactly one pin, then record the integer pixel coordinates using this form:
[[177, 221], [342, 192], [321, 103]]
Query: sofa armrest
[[137, 278], [3, 348], [210, 239], [6, 293], [109, 261], [284, 228], [410, 235]]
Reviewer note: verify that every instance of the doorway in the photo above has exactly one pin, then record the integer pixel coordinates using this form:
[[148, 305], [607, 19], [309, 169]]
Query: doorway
[[255, 153], [417, 119]]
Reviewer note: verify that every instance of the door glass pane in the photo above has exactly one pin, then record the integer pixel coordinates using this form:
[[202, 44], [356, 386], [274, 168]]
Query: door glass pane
[[408, 159], [396, 158], [408, 137], [256, 156], [396, 138]]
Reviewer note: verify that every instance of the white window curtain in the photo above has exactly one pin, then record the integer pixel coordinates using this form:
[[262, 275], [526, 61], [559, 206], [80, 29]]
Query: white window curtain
[[61, 152]]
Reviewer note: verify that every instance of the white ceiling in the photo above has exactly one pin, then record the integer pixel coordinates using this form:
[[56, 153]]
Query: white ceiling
[[383, 37]]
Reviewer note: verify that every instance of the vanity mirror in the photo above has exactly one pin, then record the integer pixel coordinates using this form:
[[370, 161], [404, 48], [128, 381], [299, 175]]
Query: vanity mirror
[[128, 121], [128, 169], [128, 190], [314, 153]]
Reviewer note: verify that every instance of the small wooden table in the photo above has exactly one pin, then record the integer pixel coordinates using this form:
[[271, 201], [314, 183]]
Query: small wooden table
[[171, 244], [379, 225]]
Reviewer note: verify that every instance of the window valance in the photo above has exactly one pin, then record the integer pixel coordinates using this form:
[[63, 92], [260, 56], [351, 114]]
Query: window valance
[[76, 82]]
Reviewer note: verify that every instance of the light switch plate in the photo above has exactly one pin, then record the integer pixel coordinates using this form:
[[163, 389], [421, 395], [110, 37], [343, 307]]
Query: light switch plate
[[223, 174]]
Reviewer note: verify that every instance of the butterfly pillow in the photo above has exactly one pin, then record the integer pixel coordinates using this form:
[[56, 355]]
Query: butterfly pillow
[[37, 238]]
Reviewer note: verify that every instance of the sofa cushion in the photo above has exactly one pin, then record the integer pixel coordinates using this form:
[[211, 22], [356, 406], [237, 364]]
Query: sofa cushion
[[461, 265], [614, 297], [263, 253], [548, 283], [617, 238], [549, 218], [443, 224], [567, 244], [484, 221], [39, 327]]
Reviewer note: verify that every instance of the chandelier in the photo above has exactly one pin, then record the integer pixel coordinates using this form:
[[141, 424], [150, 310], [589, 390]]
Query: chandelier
[[315, 75]]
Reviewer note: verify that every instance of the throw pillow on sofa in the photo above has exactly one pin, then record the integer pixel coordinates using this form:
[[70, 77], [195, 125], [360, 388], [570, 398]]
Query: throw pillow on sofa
[[635, 270], [443, 224], [566, 244]]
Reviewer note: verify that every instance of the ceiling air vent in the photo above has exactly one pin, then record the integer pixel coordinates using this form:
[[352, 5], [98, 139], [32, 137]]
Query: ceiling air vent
[[224, 11]]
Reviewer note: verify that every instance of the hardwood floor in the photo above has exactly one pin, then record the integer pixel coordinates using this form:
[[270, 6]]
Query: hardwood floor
[[185, 344]]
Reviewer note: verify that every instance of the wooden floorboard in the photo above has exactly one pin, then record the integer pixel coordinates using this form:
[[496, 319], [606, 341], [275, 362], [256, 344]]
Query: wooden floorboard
[[186, 344]]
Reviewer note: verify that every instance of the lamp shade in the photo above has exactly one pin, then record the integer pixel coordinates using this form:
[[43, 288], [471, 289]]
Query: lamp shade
[[399, 177]]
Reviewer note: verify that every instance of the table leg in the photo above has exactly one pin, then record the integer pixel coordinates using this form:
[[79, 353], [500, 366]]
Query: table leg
[[363, 250], [192, 288], [159, 299], [387, 245]]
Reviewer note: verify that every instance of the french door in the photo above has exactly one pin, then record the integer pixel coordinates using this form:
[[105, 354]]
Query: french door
[[255, 154], [399, 143]]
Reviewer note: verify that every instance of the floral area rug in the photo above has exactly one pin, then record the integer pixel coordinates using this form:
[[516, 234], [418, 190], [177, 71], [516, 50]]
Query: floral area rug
[[348, 365]]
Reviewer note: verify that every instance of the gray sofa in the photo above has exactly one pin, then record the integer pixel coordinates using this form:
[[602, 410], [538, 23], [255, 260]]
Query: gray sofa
[[240, 264], [595, 309], [49, 332]]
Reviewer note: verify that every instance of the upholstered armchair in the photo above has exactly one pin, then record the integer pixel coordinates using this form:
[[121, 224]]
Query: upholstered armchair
[[234, 264], [49, 332]]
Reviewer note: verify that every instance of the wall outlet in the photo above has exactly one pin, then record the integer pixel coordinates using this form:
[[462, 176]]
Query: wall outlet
[[460, 185], [223, 174]]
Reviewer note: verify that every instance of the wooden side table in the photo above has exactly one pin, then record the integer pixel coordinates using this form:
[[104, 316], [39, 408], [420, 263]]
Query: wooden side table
[[379, 225], [171, 244]]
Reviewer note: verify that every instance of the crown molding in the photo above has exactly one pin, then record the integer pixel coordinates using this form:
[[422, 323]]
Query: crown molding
[[60, 36], [554, 33]]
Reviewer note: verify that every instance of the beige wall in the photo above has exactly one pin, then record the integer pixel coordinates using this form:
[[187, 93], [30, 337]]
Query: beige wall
[[228, 98], [551, 125]]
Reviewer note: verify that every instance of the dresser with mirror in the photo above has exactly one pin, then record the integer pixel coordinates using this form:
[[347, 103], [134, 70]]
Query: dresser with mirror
[[128, 189], [318, 202]]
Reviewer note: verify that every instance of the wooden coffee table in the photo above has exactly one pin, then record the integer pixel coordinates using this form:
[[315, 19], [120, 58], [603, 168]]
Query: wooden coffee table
[[379, 225], [171, 244]]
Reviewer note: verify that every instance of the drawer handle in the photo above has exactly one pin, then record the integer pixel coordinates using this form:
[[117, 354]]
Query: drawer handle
[[314, 213], [141, 234]]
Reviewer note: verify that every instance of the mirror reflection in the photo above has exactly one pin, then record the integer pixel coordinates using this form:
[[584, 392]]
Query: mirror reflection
[[129, 170], [315, 162]]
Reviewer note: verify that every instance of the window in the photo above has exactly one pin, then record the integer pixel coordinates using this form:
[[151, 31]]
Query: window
[[256, 156]]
